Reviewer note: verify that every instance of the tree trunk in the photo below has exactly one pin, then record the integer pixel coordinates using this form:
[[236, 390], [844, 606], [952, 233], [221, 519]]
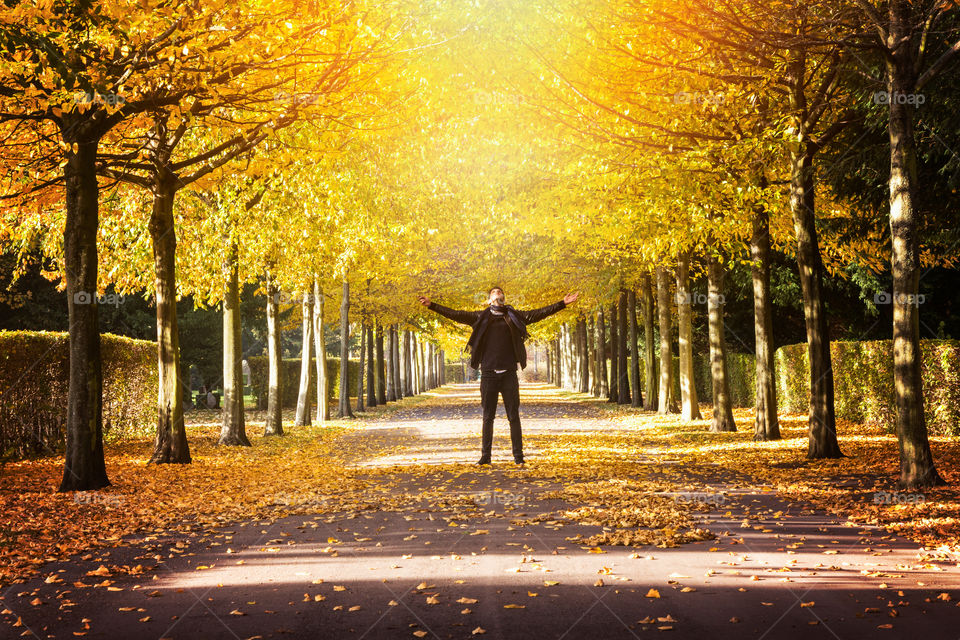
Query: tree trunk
[[443, 367], [667, 403], [689, 406], [234, 431], [306, 350], [623, 365], [408, 364], [83, 468], [171, 443], [916, 460], [361, 393], [558, 357], [274, 422], [722, 419], [418, 361], [371, 368], [604, 389], [391, 365], [381, 368], [584, 355], [614, 390], [551, 364], [649, 360], [636, 395], [320, 351], [397, 383], [822, 419], [766, 425], [592, 353], [343, 406]]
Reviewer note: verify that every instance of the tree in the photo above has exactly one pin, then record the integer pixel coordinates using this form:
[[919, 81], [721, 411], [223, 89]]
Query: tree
[[905, 42]]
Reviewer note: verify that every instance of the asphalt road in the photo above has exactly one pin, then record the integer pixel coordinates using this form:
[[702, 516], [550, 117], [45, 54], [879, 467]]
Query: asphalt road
[[428, 570]]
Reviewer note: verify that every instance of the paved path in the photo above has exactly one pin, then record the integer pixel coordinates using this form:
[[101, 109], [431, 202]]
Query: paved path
[[454, 562]]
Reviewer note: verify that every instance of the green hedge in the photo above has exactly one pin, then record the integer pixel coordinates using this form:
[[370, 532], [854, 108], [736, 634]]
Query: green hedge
[[741, 377], [34, 379], [863, 382], [290, 371]]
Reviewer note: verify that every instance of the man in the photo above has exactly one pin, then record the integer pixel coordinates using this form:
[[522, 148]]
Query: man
[[496, 347]]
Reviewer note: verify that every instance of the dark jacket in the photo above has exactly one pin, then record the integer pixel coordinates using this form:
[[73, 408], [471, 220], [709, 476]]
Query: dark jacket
[[476, 318]]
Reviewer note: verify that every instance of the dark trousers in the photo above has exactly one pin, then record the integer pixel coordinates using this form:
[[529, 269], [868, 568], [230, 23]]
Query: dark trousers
[[505, 384]]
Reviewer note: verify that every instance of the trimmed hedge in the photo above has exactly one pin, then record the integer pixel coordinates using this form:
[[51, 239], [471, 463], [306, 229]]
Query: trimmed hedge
[[34, 380], [741, 377], [863, 382], [290, 372]]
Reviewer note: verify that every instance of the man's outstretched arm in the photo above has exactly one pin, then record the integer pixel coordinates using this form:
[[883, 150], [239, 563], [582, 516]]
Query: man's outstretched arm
[[463, 317], [536, 315]]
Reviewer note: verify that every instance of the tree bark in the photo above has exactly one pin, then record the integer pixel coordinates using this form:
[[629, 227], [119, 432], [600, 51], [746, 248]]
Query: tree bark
[[614, 390], [766, 424], [233, 432], [667, 403], [636, 395], [83, 467], [343, 406], [722, 419], [361, 392], [381, 368], [408, 365], [822, 419], [917, 468], [689, 405], [649, 360], [274, 421], [391, 365], [171, 443], [604, 388], [623, 365], [592, 354], [397, 383], [584, 355], [320, 354], [371, 367], [306, 350], [550, 377], [418, 360]]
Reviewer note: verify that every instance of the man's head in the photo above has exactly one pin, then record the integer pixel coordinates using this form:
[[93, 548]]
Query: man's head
[[495, 296]]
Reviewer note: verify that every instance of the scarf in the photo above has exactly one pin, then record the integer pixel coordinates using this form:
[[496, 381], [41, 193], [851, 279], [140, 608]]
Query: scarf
[[480, 326], [497, 310]]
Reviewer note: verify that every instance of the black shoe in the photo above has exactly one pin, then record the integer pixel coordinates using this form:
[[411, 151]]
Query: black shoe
[[483, 461], [518, 461]]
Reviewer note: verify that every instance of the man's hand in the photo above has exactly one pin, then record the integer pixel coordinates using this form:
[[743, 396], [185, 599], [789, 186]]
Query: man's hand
[[570, 298], [424, 300]]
